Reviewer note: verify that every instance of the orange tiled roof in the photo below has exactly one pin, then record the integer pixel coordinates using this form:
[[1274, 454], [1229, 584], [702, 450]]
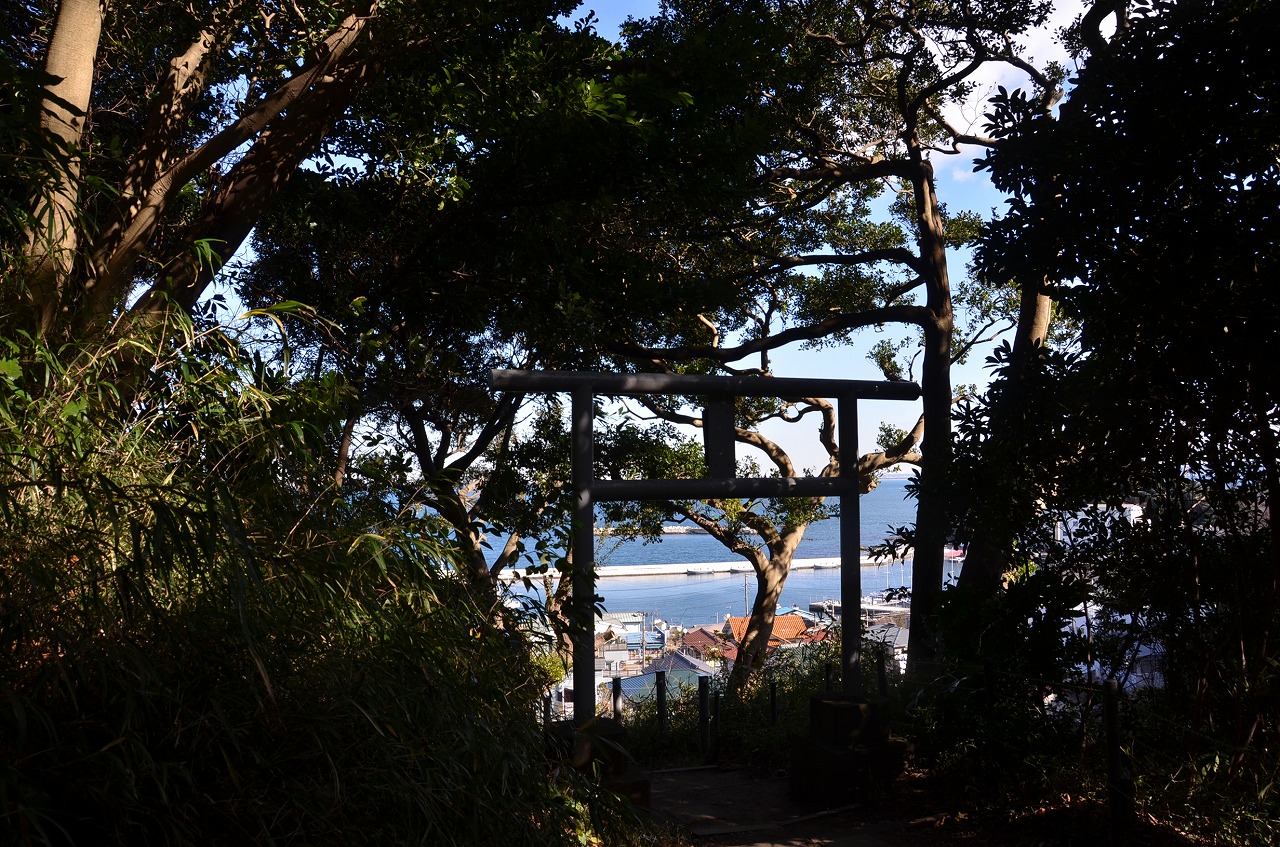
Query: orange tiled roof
[[785, 628], [819, 635]]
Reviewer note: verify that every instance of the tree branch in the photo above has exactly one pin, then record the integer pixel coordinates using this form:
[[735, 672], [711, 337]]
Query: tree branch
[[905, 288], [930, 91], [899, 255], [114, 266], [778, 456], [905, 450], [977, 338], [1091, 24], [1050, 94], [230, 213], [918, 315], [500, 421], [860, 172], [185, 82], [720, 533]]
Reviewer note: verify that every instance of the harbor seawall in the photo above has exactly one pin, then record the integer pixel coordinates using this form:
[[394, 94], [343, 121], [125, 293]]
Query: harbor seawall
[[700, 568]]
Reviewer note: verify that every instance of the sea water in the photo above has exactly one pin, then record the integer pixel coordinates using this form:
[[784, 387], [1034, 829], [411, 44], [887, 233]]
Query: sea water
[[694, 599]]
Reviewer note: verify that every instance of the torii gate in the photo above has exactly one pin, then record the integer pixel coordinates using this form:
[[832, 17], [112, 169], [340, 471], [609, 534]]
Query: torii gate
[[718, 437]]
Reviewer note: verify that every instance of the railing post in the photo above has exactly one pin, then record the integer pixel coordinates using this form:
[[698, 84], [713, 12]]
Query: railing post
[[617, 699], [826, 677], [660, 690], [850, 554], [704, 716], [715, 716], [882, 674]]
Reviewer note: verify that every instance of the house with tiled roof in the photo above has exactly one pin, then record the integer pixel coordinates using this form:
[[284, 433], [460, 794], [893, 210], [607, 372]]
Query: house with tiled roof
[[809, 616], [891, 636], [643, 686], [787, 629], [819, 634], [703, 643], [671, 662]]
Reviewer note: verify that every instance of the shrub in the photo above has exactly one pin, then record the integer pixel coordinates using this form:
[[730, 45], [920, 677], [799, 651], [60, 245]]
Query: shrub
[[204, 642]]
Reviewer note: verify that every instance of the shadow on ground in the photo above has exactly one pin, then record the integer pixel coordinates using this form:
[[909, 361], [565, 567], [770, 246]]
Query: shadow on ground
[[724, 807], [735, 807]]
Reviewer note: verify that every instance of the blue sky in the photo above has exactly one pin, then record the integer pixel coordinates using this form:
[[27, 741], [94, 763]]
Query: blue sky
[[958, 186]]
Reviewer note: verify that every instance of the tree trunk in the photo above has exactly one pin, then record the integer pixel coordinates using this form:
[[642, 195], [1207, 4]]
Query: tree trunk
[[448, 501], [344, 445], [771, 575], [936, 449], [1033, 320], [557, 590], [52, 239], [991, 548], [280, 128]]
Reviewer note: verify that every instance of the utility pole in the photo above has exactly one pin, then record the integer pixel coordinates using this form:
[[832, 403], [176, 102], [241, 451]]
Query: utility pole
[[644, 631]]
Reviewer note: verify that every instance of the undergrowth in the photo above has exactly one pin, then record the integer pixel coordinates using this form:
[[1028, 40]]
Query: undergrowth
[[203, 641]]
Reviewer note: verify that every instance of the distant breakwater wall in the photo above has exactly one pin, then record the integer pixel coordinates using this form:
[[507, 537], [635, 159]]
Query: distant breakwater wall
[[666, 530], [702, 568]]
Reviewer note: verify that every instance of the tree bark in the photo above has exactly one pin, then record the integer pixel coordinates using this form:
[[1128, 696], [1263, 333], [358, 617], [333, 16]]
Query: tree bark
[[313, 98], [936, 397], [344, 444], [991, 548], [771, 576], [52, 239], [183, 85], [1033, 320]]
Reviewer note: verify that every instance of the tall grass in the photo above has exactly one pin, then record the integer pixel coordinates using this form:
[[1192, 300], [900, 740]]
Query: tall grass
[[201, 642]]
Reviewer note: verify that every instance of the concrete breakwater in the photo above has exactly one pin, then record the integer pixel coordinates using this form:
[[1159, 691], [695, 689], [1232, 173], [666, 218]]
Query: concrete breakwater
[[666, 530], [702, 568]]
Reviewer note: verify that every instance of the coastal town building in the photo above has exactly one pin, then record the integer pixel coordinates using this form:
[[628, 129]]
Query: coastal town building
[[788, 630], [703, 643]]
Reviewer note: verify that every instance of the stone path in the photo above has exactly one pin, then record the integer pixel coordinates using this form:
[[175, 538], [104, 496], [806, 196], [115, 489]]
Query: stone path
[[733, 808]]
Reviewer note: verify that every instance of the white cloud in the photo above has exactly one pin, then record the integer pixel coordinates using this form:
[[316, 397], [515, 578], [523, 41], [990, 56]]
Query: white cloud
[[1039, 47]]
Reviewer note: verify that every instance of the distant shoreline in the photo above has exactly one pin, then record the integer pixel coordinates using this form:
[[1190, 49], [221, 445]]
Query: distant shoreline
[[666, 530], [711, 568]]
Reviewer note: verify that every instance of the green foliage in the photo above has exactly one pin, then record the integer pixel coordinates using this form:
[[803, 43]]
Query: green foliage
[[1149, 206], [756, 723], [1006, 748], [204, 642], [749, 733]]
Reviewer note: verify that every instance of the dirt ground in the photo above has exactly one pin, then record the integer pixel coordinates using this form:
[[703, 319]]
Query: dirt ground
[[719, 807]]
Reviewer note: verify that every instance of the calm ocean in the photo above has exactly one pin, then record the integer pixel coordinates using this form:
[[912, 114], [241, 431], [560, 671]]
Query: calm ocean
[[690, 600]]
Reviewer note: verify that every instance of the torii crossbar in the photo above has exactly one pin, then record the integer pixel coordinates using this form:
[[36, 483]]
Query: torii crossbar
[[718, 435]]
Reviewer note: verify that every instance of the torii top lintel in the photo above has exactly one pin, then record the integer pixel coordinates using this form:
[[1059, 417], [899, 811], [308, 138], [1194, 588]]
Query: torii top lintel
[[723, 386]]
